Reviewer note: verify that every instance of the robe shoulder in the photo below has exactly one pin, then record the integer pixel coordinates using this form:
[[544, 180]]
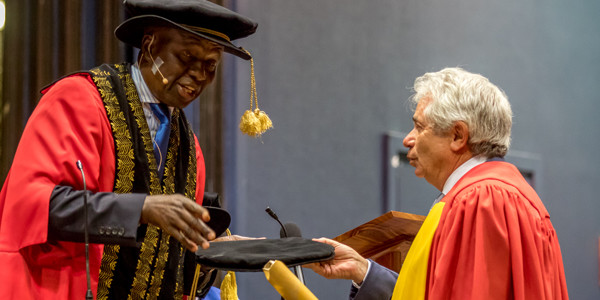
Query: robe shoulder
[[68, 124], [494, 235]]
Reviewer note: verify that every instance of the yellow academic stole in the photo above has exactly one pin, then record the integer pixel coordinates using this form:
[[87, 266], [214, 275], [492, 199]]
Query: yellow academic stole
[[413, 275]]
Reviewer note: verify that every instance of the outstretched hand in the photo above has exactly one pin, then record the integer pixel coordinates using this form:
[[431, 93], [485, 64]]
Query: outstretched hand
[[347, 263], [179, 216]]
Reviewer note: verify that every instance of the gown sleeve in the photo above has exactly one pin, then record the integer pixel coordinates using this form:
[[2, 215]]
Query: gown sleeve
[[68, 124], [378, 284], [495, 243]]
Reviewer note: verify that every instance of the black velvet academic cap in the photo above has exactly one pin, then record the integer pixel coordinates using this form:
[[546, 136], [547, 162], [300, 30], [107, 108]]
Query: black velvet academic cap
[[252, 255], [219, 219], [200, 17]]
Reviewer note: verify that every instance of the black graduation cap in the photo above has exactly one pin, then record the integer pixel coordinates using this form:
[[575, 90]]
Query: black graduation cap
[[219, 219], [252, 255], [200, 17]]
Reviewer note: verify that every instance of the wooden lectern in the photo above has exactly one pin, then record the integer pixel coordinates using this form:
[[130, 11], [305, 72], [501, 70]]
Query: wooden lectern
[[385, 239]]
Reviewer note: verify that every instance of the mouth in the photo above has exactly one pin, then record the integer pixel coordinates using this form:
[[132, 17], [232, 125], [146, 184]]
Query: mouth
[[188, 92]]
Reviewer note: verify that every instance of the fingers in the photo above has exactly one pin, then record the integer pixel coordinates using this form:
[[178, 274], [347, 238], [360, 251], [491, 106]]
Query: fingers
[[197, 210], [195, 228], [185, 242], [327, 241], [181, 217]]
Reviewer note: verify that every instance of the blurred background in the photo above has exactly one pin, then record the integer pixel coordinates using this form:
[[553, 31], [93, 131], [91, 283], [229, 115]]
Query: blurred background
[[335, 77]]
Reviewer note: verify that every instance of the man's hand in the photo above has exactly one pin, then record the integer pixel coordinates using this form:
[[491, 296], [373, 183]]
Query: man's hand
[[347, 263], [180, 217]]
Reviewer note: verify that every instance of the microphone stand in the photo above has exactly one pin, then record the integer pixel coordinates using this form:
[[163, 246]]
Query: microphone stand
[[88, 295], [284, 233], [274, 216]]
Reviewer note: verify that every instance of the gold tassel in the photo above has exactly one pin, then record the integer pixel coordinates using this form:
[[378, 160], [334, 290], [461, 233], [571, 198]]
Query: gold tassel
[[250, 124], [229, 285], [254, 123]]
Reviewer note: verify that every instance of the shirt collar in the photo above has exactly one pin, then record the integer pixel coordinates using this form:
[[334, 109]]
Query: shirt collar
[[142, 89], [461, 171]]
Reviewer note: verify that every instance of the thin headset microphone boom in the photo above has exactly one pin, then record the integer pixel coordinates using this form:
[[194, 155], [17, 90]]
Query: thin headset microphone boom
[[156, 67]]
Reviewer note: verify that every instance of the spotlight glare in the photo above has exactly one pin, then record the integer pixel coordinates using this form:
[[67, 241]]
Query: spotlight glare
[[2, 15]]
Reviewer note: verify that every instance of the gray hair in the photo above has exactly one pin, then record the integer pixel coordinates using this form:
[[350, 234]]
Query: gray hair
[[458, 95]]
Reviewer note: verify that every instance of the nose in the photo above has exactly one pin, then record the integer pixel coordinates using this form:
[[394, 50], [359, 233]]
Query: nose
[[197, 72], [409, 139]]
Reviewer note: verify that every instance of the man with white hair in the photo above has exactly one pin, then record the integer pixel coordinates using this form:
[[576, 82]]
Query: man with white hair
[[488, 235]]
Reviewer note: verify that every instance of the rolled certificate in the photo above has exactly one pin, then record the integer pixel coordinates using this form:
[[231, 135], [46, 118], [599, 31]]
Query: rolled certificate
[[285, 282]]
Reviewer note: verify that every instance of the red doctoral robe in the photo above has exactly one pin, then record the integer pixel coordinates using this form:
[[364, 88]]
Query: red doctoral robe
[[495, 240], [68, 124]]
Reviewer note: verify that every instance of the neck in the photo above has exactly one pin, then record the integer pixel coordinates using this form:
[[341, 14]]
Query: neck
[[453, 164]]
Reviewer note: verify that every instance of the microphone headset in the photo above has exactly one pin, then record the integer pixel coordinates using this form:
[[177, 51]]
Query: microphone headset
[[156, 67]]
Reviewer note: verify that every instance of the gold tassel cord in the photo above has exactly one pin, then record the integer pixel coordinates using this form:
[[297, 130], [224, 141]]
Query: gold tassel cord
[[254, 122], [195, 282], [229, 285]]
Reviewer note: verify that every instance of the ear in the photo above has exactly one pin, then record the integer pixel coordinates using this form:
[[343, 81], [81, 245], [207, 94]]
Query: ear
[[460, 137], [148, 40]]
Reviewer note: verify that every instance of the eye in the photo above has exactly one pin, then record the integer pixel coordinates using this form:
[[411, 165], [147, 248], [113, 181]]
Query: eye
[[212, 66], [185, 56], [418, 127]]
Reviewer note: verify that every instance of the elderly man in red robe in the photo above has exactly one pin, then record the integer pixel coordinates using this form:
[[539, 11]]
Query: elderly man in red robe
[[143, 166], [488, 235]]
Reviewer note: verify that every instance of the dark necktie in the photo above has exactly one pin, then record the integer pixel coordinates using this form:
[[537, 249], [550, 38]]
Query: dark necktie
[[161, 140]]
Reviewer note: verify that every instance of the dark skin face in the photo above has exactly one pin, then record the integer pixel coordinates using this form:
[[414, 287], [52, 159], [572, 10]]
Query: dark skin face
[[190, 64]]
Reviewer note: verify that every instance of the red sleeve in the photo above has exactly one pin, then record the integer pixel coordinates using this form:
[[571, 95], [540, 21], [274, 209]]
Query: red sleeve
[[200, 173], [68, 124], [494, 243]]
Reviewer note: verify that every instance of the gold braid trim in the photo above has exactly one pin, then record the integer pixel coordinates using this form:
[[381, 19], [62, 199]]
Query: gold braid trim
[[178, 286], [206, 30], [124, 183], [140, 119], [169, 188], [140, 281], [191, 173], [191, 194], [148, 250], [124, 173]]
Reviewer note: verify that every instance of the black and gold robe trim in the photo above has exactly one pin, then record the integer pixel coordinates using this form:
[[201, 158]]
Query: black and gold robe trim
[[156, 269]]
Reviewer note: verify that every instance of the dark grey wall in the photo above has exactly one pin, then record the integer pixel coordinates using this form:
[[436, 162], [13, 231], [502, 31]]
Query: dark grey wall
[[335, 75]]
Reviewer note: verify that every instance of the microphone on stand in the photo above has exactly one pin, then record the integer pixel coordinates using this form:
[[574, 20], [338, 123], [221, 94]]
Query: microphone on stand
[[88, 294], [289, 230], [292, 230], [274, 216]]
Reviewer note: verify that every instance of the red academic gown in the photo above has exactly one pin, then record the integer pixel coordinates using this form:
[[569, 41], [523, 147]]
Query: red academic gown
[[495, 241], [68, 124]]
